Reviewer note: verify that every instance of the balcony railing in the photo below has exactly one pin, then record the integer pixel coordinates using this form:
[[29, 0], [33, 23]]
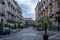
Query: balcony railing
[[2, 11], [9, 1], [57, 15], [11, 19], [46, 14], [51, 15], [11, 11], [46, 5], [57, 9], [39, 18]]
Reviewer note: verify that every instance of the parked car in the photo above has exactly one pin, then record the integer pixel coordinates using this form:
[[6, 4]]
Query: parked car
[[4, 30]]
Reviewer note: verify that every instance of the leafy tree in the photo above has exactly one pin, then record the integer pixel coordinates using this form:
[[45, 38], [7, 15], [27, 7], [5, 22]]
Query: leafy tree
[[47, 20], [1, 24], [15, 25]]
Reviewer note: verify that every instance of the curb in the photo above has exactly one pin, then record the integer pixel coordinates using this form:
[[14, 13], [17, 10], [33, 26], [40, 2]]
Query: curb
[[15, 31]]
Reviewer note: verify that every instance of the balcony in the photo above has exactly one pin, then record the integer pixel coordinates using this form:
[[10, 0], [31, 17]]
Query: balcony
[[19, 22], [9, 9], [9, 1], [11, 19], [39, 19], [51, 15], [50, 2], [46, 5], [11, 12], [39, 11], [14, 13], [2, 1], [58, 10], [46, 14], [2, 11], [57, 16]]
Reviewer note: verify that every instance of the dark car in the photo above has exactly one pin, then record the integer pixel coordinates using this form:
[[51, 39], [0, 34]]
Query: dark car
[[4, 30]]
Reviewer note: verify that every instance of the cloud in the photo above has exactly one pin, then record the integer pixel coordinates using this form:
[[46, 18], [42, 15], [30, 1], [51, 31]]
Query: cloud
[[28, 7]]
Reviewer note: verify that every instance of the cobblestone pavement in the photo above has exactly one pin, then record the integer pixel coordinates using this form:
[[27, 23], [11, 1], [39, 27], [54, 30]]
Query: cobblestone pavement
[[30, 34]]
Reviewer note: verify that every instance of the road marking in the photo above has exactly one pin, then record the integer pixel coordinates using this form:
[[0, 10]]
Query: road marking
[[54, 36], [31, 34]]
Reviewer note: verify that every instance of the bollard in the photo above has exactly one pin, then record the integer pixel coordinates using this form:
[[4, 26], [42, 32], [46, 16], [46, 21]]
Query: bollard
[[45, 37]]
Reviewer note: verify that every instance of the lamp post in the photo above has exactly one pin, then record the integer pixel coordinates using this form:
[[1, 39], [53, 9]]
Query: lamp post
[[45, 36]]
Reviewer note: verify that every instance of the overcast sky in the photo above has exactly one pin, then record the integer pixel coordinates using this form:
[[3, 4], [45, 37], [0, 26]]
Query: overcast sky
[[28, 7]]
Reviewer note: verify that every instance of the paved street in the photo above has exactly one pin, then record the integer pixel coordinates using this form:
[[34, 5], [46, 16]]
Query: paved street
[[30, 34]]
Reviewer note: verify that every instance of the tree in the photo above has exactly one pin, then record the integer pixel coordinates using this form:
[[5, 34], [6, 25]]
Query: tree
[[47, 20], [15, 25], [1, 24]]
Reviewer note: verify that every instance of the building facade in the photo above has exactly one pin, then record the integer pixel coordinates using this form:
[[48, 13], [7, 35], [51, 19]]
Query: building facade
[[48, 8], [29, 22], [10, 12]]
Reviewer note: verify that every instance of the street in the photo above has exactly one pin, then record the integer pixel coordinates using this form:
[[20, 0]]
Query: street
[[30, 34]]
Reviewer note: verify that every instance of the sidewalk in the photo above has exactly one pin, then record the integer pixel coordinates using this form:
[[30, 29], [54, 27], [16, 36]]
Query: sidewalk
[[55, 31], [15, 30]]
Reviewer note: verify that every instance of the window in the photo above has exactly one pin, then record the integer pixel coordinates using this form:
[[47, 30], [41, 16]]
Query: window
[[50, 9], [9, 4], [1, 20], [50, 2], [2, 1], [2, 14], [59, 4]]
